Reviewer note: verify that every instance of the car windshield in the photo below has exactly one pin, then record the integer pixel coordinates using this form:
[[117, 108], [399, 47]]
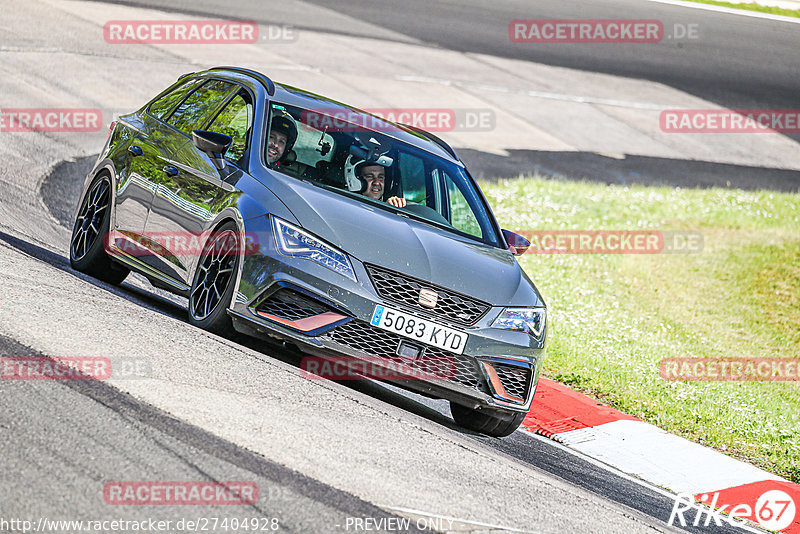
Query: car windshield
[[370, 165]]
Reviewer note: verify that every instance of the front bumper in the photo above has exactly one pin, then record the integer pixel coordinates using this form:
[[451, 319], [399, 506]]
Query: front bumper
[[327, 315]]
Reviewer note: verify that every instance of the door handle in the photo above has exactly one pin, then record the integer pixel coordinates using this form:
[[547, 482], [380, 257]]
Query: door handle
[[170, 171], [135, 150]]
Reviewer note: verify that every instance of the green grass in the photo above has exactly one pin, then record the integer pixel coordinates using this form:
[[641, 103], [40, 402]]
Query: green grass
[[613, 318], [753, 7]]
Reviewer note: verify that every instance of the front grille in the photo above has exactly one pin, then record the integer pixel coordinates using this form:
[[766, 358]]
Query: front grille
[[379, 343], [291, 305], [450, 306], [515, 379]]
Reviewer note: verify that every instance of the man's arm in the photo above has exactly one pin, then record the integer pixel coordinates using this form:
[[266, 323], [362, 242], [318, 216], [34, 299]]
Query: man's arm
[[397, 202]]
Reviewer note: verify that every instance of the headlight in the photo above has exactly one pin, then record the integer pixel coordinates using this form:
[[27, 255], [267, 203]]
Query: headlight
[[292, 241], [530, 320]]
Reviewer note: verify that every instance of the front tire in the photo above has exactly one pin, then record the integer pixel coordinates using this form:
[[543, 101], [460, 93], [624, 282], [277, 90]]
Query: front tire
[[214, 281], [87, 252], [496, 424]]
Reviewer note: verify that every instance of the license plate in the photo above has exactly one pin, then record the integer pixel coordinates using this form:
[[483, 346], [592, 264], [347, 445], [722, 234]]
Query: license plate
[[418, 329]]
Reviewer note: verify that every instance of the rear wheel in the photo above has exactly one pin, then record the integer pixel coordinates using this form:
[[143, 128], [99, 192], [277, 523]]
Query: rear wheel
[[496, 424], [87, 252], [214, 279]]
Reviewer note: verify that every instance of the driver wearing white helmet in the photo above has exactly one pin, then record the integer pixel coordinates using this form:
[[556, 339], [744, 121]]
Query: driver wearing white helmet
[[369, 179], [375, 177]]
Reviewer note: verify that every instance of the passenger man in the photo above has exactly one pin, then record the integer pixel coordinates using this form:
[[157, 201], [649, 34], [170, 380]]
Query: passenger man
[[282, 135]]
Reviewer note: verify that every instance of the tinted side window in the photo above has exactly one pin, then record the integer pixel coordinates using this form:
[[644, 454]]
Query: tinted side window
[[161, 107], [311, 155], [236, 120], [196, 110], [462, 216], [412, 172], [307, 146]]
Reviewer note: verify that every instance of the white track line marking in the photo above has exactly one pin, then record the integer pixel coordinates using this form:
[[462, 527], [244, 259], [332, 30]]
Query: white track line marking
[[452, 519], [621, 474], [729, 10], [681, 465]]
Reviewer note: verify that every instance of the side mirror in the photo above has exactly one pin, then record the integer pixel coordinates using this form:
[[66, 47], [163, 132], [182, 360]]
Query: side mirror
[[516, 243], [214, 144]]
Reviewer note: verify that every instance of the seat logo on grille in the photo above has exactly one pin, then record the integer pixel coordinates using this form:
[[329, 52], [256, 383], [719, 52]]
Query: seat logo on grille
[[428, 298]]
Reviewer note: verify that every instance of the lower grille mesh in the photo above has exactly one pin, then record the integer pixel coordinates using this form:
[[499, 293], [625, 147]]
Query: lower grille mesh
[[515, 379], [290, 305]]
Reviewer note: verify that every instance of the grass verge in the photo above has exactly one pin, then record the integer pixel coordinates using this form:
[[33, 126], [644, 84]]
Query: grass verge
[[614, 317], [753, 7]]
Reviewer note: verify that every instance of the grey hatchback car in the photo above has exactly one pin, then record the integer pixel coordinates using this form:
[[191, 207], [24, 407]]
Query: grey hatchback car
[[282, 214]]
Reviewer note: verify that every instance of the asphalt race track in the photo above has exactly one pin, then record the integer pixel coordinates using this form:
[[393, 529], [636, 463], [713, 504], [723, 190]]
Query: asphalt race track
[[200, 407], [737, 62]]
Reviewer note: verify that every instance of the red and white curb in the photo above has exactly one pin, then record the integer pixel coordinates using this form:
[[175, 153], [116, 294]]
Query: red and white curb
[[655, 456]]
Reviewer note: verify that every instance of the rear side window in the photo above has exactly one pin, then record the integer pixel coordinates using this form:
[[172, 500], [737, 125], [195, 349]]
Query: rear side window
[[235, 120], [161, 107], [197, 109]]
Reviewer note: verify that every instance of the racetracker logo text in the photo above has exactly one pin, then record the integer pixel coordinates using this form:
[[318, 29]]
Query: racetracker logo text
[[344, 368], [50, 120], [734, 369], [180, 32], [730, 121], [612, 242], [54, 368], [168, 244], [180, 493], [381, 119], [585, 31]]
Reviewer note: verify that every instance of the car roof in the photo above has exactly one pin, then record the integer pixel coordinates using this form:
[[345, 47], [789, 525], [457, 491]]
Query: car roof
[[293, 96]]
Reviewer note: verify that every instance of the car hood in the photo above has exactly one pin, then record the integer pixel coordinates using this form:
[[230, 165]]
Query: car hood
[[385, 238]]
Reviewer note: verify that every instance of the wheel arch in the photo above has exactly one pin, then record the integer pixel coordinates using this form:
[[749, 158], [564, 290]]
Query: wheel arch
[[227, 215], [102, 167]]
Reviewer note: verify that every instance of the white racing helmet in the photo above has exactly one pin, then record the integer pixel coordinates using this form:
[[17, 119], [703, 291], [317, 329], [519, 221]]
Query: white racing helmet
[[370, 153], [352, 174]]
